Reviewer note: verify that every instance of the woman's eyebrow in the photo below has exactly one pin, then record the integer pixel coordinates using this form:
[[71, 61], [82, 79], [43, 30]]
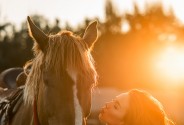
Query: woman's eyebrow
[[117, 102]]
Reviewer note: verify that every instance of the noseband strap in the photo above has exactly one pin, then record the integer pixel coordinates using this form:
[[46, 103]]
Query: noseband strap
[[35, 114]]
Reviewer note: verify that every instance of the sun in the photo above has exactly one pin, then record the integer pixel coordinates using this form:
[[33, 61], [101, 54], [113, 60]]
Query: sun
[[171, 63]]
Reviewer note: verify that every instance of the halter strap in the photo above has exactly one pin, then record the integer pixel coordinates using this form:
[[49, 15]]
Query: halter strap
[[35, 114]]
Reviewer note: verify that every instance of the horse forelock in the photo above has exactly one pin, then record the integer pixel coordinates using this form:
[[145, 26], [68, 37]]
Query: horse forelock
[[64, 51]]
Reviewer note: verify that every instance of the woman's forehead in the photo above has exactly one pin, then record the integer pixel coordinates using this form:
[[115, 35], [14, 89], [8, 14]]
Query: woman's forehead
[[122, 95], [123, 99]]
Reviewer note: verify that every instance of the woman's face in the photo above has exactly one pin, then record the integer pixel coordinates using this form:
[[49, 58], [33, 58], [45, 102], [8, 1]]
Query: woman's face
[[113, 112]]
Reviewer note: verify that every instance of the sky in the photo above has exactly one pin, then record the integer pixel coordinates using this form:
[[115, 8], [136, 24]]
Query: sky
[[72, 11]]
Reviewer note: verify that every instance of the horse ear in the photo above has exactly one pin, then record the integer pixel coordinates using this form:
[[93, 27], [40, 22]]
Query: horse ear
[[91, 34], [39, 36]]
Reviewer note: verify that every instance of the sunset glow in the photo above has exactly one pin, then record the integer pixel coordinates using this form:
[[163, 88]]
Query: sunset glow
[[171, 63]]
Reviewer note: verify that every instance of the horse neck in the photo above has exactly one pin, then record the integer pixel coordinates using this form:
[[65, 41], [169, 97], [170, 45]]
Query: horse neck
[[24, 116]]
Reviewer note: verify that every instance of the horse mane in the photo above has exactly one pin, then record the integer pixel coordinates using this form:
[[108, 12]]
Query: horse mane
[[64, 51]]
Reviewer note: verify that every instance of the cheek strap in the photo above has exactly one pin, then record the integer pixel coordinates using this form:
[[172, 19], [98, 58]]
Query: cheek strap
[[35, 114]]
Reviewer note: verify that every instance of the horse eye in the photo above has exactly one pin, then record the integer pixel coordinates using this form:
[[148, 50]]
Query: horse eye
[[46, 82]]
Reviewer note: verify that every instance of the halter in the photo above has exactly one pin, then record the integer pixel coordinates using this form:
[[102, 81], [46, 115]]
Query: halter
[[35, 114]]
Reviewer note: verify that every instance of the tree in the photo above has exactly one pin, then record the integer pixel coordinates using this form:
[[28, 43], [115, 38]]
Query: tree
[[113, 21]]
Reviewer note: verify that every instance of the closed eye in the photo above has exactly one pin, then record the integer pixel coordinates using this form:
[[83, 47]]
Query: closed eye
[[116, 104]]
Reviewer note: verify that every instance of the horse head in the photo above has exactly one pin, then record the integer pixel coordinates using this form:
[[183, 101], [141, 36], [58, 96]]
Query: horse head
[[61, 76]]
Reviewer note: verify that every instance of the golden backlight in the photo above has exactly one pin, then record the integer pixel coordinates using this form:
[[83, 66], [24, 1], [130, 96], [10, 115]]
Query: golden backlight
[[170, 64]]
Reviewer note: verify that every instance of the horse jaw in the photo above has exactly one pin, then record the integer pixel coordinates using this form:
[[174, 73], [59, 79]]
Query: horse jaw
[[78, 109]]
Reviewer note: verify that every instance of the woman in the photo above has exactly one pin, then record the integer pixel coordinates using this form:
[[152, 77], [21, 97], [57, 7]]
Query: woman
[[135, 107]]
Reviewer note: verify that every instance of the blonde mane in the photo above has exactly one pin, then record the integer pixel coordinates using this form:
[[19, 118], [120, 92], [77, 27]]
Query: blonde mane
[[64, 51]]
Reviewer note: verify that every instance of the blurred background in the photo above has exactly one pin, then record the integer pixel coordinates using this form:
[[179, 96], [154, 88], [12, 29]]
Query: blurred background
[[140, 45]]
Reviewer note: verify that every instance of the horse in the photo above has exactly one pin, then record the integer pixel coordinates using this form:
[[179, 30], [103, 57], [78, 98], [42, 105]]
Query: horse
[[59, 85], [8, 77]]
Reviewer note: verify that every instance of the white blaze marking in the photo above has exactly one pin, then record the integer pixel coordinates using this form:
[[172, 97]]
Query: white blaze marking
[[78, 110]]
